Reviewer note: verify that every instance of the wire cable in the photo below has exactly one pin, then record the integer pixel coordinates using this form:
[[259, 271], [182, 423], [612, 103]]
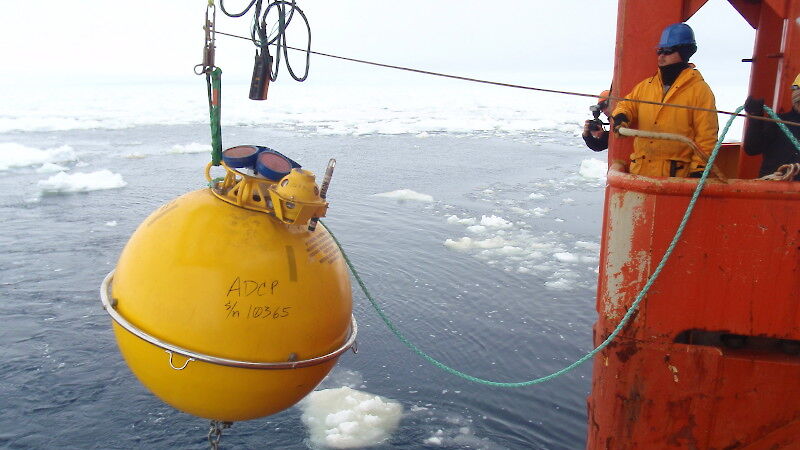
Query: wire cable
[[520, 86]]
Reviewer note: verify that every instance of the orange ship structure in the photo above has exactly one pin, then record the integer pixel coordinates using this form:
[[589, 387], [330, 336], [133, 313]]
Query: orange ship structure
[[711, 359]]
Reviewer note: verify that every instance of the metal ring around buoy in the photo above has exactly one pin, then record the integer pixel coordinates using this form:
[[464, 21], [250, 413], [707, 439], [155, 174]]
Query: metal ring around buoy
[[105, 298]]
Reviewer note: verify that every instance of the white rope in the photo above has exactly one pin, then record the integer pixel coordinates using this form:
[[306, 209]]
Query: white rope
[[786, 172], [672, 137]]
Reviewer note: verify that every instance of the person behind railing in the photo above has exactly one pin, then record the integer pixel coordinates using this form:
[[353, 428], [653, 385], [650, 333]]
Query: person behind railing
[[767, 139], [594, 135], [676, 82]]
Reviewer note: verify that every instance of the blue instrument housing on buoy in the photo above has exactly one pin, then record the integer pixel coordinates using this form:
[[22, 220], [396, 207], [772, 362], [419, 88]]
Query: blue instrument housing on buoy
[[241, 156], [270, 164], [273, 165]]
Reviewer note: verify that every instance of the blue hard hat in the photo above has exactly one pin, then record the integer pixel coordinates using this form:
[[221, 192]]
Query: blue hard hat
[[677, 34]]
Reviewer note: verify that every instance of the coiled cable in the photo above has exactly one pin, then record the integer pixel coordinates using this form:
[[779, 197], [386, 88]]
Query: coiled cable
[[262, 39]]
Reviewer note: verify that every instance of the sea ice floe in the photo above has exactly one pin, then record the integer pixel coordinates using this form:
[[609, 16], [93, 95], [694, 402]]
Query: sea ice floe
[[553, 255], [462, 437], [436, 439], [49, 167], [520, 245], [464, 221], [194, 147], [566, 257], [347, 418], [495, 222], [540, 212], [561, 284], [593, 168], [18, 155], [466, 243], [406, 194], [82, 182], [477, 229], [510, 250]]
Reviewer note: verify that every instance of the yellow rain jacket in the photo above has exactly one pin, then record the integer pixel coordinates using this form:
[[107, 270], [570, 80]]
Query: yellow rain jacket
[[660, 158]]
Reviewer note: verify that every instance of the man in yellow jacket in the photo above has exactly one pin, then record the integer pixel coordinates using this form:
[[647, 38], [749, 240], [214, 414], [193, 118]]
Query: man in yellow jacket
[[675, 82]]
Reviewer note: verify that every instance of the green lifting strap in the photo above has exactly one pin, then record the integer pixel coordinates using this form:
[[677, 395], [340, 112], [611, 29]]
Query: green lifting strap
[[214, 85]]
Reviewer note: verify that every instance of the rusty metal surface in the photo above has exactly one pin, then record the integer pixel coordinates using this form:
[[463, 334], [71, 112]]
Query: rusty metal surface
[[682, 396], [736, 270], [739, 249]]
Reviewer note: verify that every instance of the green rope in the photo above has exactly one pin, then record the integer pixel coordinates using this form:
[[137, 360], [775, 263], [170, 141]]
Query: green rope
[[214, 85], [783, 127], [700, 184]]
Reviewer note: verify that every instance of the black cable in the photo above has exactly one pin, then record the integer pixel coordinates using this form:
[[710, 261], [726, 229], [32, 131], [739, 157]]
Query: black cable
[[244, 11], [280, 37], [280, 26], [261, 38]]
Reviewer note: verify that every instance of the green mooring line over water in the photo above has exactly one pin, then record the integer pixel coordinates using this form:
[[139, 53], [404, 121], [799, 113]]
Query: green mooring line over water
[[213, 83], [625, 319]]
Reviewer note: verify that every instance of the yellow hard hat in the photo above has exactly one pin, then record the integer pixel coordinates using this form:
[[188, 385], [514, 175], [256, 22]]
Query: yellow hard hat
[[796, 81]]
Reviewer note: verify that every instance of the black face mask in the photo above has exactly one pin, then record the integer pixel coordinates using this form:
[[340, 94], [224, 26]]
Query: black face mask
[[686, 51], [669, 73]]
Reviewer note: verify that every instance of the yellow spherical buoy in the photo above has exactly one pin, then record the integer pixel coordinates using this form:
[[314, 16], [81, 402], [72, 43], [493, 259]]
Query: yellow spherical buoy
[[228, 313]]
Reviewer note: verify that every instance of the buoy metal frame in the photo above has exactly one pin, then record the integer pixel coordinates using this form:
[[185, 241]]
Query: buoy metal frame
[[263, 195], [108, 305]]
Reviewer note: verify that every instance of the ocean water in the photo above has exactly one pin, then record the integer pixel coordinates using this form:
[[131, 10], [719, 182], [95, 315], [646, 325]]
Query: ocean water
[[473, 216]]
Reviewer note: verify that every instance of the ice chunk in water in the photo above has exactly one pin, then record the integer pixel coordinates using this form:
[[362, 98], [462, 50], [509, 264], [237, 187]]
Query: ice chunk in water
[[347, 418]]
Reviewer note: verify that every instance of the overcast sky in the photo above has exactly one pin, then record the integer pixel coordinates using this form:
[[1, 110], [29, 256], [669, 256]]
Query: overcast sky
[[109, 39]]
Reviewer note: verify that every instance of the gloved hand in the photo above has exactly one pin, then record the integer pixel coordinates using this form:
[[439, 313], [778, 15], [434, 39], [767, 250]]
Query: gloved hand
[[754, 106], [586, 127], [620, 120]]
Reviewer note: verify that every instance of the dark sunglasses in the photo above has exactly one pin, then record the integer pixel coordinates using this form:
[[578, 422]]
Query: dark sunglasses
[[666, 51]]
